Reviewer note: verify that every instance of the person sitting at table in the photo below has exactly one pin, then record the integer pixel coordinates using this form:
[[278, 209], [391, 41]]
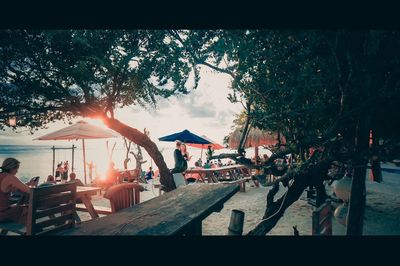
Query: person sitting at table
[[214, 164], [150, 174], [72, 178], [256, 160], [10, 183], [49, 181], [193, 177], [207, 165]]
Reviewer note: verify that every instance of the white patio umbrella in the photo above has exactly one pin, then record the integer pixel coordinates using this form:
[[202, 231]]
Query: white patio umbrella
[[81, 130]]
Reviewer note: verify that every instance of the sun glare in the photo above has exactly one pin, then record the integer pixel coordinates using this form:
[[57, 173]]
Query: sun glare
[[97, 122]]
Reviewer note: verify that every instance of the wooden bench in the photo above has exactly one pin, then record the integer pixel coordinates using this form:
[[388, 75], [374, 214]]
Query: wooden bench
[[322, 220], [179, 212], [51, 209]]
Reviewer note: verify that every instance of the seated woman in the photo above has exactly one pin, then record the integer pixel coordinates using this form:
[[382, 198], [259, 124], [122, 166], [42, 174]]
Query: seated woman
[[10, 183]]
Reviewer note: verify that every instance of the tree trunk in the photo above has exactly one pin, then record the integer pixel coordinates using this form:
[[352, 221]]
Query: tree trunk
[[246, 128], [357, 203], [357, 195], [245, 132], [376, 171], [141, 139]]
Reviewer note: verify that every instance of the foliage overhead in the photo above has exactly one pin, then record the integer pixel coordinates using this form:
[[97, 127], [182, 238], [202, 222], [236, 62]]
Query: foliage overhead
[[310, 85], [49, 75]]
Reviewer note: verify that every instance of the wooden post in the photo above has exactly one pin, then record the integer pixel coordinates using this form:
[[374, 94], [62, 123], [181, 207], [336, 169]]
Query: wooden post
[[256, 153], [236, 224], [54, 158], [84, 159], [243, 186], [73, 153]]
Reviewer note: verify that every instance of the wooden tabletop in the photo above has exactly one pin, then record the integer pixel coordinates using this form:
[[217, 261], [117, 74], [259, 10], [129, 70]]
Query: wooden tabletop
[[168, 214]]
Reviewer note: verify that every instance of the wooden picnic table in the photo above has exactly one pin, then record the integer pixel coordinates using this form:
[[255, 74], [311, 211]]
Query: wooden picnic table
[[209, 173], [179, 212], [85, 195]]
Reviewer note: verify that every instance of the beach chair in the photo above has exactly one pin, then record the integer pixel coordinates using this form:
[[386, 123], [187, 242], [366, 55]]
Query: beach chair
[[51, 210], [123, 196], [179, 179]]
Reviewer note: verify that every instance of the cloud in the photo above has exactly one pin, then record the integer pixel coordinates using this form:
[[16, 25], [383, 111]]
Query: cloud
[[196, 105], [223, 118], [162, 103], [207, 110]]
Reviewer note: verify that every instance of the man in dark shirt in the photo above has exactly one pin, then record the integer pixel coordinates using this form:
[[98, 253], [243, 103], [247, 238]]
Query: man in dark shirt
[[179, 160]]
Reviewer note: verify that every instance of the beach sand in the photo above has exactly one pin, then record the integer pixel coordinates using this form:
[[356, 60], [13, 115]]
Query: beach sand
[[382, 212]]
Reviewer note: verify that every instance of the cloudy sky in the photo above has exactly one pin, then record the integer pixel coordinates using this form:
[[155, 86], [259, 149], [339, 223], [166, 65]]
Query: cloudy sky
[[204, 111]]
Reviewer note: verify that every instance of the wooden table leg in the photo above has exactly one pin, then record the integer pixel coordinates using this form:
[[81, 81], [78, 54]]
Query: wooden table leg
[[89, 206], [200, 179], [77, 218]]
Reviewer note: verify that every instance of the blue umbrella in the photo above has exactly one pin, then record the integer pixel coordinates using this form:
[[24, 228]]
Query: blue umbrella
[[185, 136]]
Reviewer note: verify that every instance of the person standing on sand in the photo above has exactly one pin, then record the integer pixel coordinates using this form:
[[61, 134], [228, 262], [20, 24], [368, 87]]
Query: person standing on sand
[[185, 155], [66, 169], [59, 171], [179, 160]]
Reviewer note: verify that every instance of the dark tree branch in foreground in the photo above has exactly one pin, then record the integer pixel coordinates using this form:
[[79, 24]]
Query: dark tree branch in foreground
[[302, 178]]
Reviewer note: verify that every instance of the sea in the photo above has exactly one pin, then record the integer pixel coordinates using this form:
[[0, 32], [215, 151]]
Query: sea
[[37, 160]]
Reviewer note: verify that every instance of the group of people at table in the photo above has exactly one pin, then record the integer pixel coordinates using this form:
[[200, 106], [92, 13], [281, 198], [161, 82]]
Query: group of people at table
[[182, 157], [12, 185]]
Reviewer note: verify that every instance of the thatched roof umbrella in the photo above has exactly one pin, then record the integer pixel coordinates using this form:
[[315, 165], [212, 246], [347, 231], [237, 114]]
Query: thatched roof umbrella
[[255, 138]]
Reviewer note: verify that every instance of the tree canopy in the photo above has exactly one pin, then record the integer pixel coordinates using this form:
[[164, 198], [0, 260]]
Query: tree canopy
[[59, 74], [46, 75]]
